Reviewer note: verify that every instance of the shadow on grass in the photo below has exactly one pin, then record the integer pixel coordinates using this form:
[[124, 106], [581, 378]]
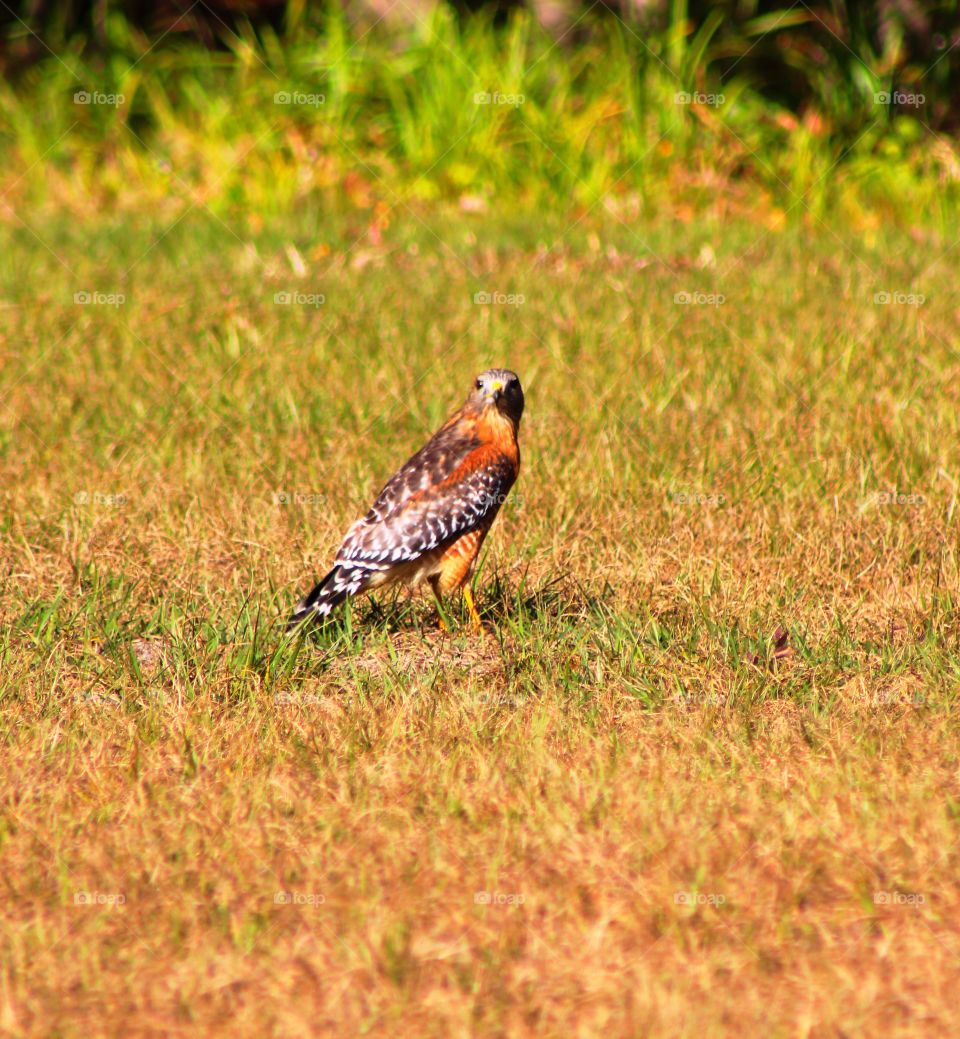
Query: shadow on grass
[[500, 604]]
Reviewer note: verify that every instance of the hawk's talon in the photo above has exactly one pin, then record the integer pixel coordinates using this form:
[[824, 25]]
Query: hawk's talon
[[475, 620]]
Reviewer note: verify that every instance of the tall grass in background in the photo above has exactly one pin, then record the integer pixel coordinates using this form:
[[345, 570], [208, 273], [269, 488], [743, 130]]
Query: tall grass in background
[[633, 119]]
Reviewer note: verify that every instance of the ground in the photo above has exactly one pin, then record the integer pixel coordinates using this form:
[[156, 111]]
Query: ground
[[699, 778]]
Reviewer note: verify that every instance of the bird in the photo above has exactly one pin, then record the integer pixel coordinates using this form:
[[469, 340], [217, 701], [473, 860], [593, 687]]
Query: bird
[[430, 520]]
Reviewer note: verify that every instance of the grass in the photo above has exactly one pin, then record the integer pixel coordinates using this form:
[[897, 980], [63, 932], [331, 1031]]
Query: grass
[[698, 778], [390, 121]]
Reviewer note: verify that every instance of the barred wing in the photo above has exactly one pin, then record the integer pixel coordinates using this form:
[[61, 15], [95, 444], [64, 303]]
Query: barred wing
[[435, 462], [427, 517]]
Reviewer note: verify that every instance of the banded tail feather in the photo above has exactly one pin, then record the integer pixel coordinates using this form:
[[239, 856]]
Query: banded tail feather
[[344, 580]]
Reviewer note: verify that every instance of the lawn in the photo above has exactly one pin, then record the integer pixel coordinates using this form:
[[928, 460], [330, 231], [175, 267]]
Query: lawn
[[697, 778]]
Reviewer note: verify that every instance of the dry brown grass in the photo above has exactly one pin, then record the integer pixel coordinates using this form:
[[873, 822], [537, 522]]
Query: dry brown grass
[[696, 827], [396, 814]]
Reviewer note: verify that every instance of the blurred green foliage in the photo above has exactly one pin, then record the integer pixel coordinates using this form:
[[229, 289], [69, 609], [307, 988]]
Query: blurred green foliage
[[827, 54], [788, 112]]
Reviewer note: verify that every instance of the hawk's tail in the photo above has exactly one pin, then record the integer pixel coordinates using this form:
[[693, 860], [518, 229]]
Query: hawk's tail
[[342, 582]]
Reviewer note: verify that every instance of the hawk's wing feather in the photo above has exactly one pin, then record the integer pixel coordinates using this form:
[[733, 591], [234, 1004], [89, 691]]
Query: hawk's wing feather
[[435, 462], [463, 499], [451, 487]]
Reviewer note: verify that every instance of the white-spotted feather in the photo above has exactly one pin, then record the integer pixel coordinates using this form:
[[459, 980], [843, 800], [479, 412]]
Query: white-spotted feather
[[424, 524]]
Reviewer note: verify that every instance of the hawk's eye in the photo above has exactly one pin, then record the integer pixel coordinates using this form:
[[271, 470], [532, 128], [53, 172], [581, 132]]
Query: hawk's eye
[[479, 384]]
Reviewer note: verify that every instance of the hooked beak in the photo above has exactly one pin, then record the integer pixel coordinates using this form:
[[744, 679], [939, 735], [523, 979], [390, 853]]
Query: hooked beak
[[495, 391]]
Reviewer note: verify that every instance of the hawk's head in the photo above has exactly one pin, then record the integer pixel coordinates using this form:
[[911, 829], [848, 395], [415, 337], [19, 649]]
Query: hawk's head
[[499, 388]]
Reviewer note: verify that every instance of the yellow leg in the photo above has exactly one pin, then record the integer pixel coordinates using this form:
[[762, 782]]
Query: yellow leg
[[471, 607]]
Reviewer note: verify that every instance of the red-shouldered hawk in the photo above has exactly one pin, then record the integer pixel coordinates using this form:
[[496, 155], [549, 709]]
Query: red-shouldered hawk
[[430, 519]]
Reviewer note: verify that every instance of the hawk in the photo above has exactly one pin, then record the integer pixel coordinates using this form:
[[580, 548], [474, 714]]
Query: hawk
[[430, 519]]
